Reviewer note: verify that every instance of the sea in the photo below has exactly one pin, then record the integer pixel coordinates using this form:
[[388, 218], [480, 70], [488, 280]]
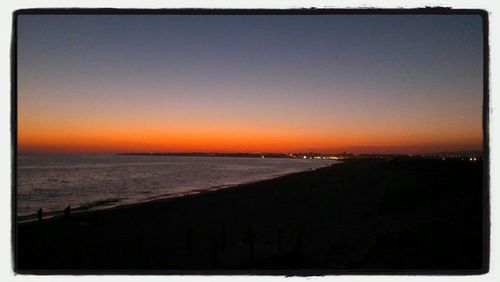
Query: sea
[[89, 182]]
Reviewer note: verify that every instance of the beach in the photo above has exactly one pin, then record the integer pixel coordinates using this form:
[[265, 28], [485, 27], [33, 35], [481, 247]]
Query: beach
[[368, 215]]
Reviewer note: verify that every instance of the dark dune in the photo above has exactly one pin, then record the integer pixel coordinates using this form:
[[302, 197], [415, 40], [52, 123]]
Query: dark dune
[[361, 216]]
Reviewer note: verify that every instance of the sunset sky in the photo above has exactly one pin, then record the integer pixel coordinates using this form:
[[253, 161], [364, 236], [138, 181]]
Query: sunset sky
[[270, 83]]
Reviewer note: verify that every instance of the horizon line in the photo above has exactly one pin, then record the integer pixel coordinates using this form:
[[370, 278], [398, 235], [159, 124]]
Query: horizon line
[[340, 152]]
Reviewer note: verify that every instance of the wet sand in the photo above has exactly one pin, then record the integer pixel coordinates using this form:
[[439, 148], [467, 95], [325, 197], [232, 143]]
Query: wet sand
[[361, 216]]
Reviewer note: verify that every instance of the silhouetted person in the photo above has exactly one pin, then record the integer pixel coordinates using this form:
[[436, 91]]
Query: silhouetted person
[[223, 239], [40, 214], [251, 243], [215, 246], [280, 241], [189, 239], [298, 244], [67, 210]]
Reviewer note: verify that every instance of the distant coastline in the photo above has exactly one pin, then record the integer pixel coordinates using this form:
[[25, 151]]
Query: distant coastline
[[247, 155], [312, 155], [204, 154]]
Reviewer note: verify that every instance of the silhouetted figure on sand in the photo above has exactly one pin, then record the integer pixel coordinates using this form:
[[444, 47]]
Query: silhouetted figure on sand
[[251, 243], [40, 214], [67, 210]]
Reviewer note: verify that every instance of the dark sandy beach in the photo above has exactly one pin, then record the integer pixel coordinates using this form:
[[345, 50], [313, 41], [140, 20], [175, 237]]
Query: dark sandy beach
[[401, 216]]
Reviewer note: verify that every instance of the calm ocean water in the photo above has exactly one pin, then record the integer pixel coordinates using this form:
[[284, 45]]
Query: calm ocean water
[[52, 182]]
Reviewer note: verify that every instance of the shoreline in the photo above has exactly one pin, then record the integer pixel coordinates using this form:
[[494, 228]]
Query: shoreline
[[383, 216], [55, 215]]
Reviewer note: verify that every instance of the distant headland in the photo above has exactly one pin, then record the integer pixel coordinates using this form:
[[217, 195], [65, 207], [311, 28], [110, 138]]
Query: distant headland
[[315, 155]]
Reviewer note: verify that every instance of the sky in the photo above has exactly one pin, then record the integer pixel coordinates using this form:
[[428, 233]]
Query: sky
[[249, 83]]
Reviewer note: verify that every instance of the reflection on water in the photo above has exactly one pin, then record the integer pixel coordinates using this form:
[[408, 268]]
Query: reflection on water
[[53, 182]]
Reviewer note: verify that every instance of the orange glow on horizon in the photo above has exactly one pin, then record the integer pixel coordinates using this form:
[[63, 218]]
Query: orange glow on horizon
[[119, 132], [111, 86], [90, 137]]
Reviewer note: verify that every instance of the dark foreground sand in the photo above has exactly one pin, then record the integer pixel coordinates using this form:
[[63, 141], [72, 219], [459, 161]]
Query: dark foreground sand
[[363, 215]]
